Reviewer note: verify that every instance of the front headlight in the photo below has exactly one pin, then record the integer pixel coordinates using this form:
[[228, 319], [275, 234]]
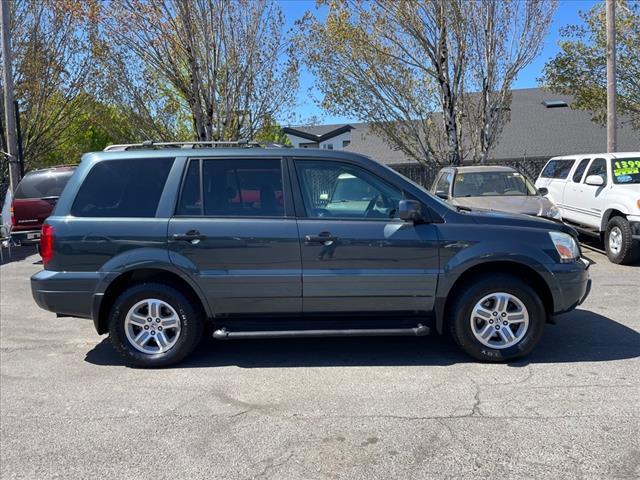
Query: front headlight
[[566, 246], [554, 212]]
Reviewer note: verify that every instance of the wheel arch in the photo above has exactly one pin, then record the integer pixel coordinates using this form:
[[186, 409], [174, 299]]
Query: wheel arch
[[608, 214], [142, 275], [517, 269]]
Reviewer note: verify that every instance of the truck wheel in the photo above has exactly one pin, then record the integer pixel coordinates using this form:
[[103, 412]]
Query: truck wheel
[[154, 325], [618, 242], [497, 318]]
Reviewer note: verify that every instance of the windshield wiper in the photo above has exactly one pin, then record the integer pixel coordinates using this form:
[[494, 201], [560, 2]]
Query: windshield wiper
[[460, 208]]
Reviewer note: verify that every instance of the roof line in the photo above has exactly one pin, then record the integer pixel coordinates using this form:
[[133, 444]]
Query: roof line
[[318, 138]]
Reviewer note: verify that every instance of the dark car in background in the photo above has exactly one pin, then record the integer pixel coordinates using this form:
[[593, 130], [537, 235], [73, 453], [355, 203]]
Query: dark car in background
[[497, 188], [34, 199], [153, 242]]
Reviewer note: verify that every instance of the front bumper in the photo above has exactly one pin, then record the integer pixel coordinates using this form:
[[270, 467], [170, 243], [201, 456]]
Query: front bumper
[[65, 293], [571, 285]]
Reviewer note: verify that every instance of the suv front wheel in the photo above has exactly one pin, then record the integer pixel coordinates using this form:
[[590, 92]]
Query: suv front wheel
[[497, 318], [154, 325]]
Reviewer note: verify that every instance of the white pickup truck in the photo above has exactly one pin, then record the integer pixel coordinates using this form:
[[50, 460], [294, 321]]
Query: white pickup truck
[[598, 194]]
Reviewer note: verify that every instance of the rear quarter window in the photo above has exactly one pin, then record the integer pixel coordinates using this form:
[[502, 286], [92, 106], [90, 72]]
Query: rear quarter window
[[43, 184], [557, 169], [122, 188]]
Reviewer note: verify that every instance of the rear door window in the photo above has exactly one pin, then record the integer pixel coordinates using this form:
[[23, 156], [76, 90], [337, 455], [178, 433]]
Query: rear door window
[[43, 184], [582, 166], [233, 188], [557, 169], [122, 188]]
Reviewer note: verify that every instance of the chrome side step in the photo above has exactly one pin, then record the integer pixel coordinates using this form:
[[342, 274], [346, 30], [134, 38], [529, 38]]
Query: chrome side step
[[418, 330]]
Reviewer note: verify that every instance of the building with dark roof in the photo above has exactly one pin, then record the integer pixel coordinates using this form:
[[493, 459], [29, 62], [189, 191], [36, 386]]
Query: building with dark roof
[[542, 125], [331, 137]]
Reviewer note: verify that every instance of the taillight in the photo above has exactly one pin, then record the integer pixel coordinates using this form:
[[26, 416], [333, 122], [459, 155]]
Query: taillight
[[13, 218], [46, 244]]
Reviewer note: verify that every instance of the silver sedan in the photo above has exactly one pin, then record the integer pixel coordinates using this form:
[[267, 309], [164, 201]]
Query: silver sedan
[[494, 188]]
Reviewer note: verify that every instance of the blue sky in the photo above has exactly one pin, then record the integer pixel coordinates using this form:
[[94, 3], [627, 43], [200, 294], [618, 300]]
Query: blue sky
[[566, 14]]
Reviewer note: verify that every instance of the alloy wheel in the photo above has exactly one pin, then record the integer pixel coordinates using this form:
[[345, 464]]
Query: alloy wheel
[[499, 320], [152, 326]]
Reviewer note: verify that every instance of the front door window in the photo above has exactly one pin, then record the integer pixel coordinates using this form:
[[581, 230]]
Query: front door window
[[340, 190]]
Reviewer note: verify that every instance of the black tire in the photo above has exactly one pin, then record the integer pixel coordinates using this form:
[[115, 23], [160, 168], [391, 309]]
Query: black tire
[[191, 325], [459, 316], [629, 248]]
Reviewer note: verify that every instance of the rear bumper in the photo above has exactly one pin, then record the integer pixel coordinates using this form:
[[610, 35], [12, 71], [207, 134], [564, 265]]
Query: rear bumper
[[572, 285], [25, 237], [65, 293]]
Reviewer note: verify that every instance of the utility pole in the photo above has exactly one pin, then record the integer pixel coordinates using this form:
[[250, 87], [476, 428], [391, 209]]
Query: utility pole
[[612, 141], [9, 112]]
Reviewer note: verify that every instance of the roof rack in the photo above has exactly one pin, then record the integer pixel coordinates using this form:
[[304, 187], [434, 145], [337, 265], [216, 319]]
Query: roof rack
[[149, 144]]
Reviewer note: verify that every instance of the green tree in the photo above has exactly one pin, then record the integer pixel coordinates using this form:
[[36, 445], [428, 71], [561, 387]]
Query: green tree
[[95, 126], [228, 63], [53, 70], [272, 132], [579, 68], [408, 66]]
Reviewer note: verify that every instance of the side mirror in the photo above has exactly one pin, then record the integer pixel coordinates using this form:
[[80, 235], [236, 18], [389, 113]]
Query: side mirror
[[543, 191], [443, 195], [595, 180], [410, 210]]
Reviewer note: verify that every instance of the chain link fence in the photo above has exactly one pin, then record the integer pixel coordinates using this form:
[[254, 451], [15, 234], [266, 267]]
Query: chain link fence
[[425, 174]]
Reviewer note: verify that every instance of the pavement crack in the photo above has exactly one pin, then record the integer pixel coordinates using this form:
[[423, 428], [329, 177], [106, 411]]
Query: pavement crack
[[298, 417], [475, 409], [272, 465], [239, 413]]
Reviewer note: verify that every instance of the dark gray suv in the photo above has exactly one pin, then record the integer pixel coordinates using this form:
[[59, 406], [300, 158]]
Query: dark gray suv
[[155, 242]]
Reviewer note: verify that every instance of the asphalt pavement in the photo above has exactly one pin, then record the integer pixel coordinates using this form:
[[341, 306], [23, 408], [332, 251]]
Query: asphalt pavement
[[362, 408]]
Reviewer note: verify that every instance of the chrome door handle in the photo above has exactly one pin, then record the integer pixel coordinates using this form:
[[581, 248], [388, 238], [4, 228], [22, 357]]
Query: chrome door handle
[[190, 236], [325, 238]]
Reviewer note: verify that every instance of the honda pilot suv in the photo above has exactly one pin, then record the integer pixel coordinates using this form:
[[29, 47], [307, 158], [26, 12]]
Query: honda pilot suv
[[155, 242]]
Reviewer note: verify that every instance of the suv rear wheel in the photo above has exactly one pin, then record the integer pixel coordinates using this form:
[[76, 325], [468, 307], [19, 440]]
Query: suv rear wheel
[[619, 243], [497, 318], [154, 325]]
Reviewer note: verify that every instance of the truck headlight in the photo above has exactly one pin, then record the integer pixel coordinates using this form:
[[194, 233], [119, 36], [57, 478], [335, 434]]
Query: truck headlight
[[566, 246], [554, 212]]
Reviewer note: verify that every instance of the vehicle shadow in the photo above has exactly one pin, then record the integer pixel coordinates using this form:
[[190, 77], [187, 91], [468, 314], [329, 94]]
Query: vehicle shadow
[[580, 336], [17, 254]]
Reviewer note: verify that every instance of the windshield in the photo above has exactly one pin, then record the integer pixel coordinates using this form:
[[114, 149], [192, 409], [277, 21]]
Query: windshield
[[492, 184], [626, 171]]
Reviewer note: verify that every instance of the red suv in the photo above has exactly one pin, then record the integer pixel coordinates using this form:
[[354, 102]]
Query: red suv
[[34, 199]]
